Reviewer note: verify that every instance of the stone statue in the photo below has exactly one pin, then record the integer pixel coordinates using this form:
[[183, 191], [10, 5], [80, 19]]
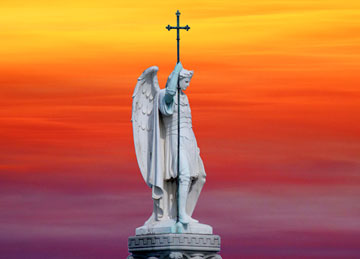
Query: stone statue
[[175, 191], [170, 163]]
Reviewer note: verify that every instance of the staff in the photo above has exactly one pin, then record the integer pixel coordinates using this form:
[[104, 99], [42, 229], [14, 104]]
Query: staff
[[178, 28]]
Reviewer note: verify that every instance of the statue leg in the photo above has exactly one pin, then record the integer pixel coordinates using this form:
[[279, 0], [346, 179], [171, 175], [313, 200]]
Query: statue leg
[[195, 189], [184, 184]]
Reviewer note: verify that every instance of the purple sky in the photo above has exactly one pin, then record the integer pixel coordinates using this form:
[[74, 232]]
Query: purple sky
[[68, 218]]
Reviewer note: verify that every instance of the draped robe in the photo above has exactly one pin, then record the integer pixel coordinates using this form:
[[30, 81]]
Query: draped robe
[[163, 173]]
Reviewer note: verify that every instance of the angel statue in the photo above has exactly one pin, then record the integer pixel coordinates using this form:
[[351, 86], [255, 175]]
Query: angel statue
[[175, 191]]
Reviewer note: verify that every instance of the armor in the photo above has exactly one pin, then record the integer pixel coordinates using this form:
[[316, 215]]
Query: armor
[[171, 122]]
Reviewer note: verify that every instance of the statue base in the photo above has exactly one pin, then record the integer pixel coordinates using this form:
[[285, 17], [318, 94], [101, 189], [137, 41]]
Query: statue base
[[172, 227], [174, 246]]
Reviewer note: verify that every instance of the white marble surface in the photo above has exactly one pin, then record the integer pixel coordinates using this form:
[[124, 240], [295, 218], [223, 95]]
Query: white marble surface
[[175, 191]]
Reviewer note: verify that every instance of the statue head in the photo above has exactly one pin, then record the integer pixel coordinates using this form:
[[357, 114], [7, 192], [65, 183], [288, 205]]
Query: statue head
[[185, 77]]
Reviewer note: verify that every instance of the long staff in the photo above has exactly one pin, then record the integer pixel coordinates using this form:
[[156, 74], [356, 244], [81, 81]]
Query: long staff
[[178, 28]]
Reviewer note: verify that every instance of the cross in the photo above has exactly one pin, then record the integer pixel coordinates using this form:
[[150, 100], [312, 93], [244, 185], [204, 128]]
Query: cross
[[178, 28]]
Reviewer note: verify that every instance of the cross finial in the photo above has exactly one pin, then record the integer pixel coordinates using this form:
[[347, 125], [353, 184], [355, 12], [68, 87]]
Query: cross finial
[[178, 28]]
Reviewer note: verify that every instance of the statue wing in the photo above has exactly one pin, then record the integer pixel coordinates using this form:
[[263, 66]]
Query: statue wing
[[142, 118]]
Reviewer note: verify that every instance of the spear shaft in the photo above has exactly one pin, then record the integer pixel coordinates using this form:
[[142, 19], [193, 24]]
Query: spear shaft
[[178, 28]]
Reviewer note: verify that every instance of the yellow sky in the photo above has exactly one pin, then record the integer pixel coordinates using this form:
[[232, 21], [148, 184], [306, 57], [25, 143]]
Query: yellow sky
[[45, 30]]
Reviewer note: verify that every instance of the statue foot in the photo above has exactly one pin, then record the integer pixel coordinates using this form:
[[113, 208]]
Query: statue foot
[[193, 220], [186, 219]]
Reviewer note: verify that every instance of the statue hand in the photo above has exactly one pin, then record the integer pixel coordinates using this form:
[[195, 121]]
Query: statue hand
[[171, 85], [178, 68]]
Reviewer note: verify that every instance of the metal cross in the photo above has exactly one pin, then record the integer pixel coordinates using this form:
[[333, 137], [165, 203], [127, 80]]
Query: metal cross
[[178, 28]]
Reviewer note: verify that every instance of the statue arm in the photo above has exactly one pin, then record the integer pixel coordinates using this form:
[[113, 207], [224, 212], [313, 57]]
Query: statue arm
[[171, 85], [165, 109]]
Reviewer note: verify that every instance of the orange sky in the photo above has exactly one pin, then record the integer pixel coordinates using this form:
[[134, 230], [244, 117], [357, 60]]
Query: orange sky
[[275, 94]]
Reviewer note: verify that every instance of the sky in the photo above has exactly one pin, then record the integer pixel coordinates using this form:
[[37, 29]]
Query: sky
[[275, 102]]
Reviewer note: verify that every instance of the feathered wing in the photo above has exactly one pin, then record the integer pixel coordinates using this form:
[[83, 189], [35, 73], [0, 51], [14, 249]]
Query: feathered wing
[[142, 118]]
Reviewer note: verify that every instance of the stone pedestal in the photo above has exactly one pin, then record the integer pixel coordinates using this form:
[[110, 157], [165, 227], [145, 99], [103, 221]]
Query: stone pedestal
[[174, 246], [170, 226]]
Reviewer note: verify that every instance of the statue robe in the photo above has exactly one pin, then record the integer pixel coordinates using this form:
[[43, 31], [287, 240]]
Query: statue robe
[[163, 171]]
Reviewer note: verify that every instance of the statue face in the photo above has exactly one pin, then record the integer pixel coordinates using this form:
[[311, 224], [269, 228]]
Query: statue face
[[184, 83]]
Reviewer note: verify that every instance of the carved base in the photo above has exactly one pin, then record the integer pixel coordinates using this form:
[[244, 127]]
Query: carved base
[[174, 246]]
